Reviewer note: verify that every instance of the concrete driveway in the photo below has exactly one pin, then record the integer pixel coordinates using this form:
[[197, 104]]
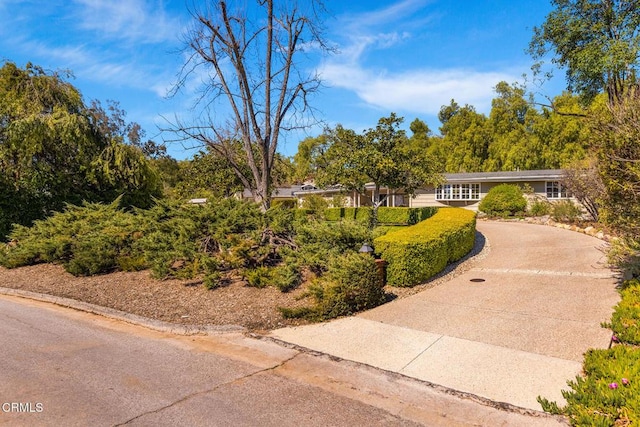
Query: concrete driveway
[[512, 328]]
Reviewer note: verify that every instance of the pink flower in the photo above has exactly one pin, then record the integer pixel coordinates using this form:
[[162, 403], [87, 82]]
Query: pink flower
[[613, 386], [625, 381], [614, 338]]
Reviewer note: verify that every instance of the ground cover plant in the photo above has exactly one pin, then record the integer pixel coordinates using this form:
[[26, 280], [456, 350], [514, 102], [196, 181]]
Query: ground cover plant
[[221, 241], [608, 394]]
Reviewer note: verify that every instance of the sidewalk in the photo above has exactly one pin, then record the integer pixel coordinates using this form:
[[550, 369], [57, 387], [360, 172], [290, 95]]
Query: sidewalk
[[518, 334]]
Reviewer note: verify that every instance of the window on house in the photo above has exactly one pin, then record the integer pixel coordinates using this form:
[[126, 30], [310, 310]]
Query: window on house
[[458, 192], [555, 190]]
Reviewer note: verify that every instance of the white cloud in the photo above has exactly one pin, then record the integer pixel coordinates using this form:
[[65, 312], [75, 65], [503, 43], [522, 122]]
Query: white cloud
[[417, 91], [136, 20]]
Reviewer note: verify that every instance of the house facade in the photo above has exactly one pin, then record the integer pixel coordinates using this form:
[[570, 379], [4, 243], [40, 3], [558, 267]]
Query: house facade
[[464, 190]]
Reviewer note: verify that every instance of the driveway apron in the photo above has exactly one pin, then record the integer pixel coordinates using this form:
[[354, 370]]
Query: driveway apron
[[510, 329]]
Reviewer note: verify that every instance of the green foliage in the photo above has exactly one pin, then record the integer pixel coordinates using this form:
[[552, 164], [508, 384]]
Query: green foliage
[[315, 203], [319, 241], [625, 254], [539, 208], [503, 200], [386, 215], [514, 136], [351, 284], [416, 253], [601, 397], [566, 211], [625, 321], [383, 155], [362, 214], [286, 203], [88, 240], [185, 236], [614, 138], [596, 43], [208, 174], [405, 216], [56, 150]]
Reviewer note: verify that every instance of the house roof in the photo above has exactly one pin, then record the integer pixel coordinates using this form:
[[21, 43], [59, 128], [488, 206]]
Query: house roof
[[278, 192], [509, 176]]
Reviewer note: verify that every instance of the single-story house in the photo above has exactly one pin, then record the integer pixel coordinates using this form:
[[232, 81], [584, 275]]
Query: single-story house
[[459, 190]]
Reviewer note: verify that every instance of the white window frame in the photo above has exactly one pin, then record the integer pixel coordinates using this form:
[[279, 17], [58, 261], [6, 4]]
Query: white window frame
[[555, 190], [458, 192]]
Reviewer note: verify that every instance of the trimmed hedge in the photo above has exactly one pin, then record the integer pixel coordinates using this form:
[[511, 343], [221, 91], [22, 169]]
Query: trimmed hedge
[[418, 252], [386, 215]]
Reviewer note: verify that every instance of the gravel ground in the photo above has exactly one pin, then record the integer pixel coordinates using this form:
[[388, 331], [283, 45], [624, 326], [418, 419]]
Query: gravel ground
[[189, 302]]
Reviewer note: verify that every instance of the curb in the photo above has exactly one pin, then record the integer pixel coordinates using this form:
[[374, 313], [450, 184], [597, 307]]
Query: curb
[[156, 325]]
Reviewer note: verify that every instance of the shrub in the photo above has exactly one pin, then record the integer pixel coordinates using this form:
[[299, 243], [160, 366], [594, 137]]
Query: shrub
[[625, 321], [539, 208], [404, 216], [285, 204], [87, 240], [565, 210], [625, 254], [386, 215], [317, 241], [609, 392], [423, 250], [503, 200], [363, 215], [315, 203], [351, 284]]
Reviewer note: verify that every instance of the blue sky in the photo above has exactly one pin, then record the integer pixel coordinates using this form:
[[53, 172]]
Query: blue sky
[[404, 56]]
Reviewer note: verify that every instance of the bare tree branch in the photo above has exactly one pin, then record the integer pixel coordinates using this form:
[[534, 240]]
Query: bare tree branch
[[251, 66]]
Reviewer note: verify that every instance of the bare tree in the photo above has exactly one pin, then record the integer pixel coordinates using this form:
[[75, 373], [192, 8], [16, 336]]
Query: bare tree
[[584, 182], [251, 56]]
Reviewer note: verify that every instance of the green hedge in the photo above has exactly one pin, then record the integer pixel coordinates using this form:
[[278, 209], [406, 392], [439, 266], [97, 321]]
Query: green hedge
[[386, 215], [423, 250]]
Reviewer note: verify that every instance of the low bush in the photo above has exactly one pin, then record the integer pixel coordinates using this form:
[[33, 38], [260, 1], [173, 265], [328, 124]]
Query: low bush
[[624, 253], [318, 241], [609, 392], [386, 215], [315, 203], [423, 250], [286, 204], [87, 240], [362, 215], [539, 208], [625, 321], [351, 284], [566, 211], [404, 216], [503, 200]]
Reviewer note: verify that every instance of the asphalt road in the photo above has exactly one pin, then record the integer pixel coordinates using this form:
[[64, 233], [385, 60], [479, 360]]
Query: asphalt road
[[64, 368]]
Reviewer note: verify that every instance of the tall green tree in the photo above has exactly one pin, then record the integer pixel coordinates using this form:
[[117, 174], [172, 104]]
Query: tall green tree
[[382, 155], [465, 138], [596, 41], [51, 152]]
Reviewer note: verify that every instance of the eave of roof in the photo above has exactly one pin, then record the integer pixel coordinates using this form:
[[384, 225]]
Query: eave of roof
[[509, 176]]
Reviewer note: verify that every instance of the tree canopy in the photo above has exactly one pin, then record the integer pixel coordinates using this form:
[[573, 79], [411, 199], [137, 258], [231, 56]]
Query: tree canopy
[[382, 155], [515, 136], [52, 152], [596, 41]]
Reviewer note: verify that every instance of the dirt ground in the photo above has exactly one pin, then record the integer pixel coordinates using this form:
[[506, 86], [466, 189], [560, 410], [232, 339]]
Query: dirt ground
[[187, 301]]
